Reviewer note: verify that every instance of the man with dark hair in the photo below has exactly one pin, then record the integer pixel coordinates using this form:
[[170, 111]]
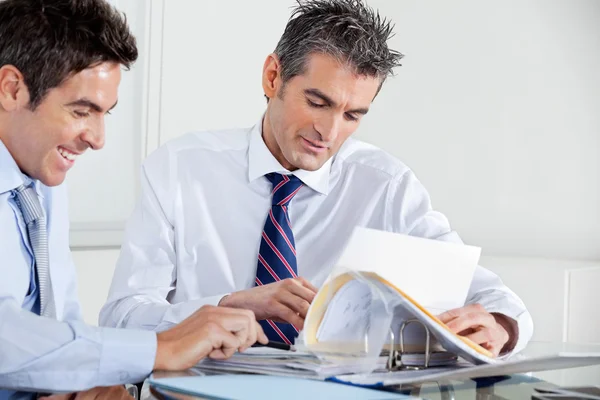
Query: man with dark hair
[[60, 68], [256, 218]]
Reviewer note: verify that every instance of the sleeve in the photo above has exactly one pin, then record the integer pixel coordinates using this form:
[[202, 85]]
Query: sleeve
[[146, 270], [409, 211], [72, 307], [42, 354]]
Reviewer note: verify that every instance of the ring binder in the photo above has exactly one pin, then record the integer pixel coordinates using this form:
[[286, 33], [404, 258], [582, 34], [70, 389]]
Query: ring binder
[[394, 362]]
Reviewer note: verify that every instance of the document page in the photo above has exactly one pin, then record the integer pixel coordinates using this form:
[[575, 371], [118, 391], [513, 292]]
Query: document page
[[436, 274]]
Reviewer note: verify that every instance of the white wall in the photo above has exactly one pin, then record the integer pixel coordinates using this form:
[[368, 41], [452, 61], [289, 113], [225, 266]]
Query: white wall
[[104, 186], [495, 106]]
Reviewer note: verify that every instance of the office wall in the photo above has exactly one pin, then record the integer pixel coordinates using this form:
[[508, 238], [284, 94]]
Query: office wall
[[495, 108]]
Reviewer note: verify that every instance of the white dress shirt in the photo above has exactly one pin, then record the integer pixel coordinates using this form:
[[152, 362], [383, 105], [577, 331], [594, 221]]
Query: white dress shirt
[[43, 354], [195, 233]]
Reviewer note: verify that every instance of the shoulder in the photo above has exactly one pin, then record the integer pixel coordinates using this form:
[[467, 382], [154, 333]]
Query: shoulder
[[196, 146], [369, 159]]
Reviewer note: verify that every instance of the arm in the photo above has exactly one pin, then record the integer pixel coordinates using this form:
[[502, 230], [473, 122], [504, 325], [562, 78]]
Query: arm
[[146, 271], [410, 212], [42, 354]]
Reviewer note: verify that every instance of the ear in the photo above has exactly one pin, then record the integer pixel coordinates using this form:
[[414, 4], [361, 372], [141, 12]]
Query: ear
[[13, 91], [271, 78]]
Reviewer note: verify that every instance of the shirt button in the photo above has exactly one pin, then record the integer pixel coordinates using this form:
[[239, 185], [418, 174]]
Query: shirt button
[[123, 376]]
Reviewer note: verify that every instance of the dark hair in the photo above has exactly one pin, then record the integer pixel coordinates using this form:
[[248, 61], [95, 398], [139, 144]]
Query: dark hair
[[51, 40], [348, 30]]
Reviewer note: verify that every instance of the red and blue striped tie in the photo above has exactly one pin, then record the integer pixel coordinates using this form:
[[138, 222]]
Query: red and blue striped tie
[[277, 254]]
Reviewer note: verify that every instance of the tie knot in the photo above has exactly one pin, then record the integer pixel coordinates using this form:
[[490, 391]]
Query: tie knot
[[285, 188], [28, 202]]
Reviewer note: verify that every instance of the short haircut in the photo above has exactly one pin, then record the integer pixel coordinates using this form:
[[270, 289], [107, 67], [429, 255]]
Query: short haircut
[[347, 30], [51, 40]]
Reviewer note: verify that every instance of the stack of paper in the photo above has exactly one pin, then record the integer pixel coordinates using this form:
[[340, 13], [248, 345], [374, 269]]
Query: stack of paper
[[291, 363]]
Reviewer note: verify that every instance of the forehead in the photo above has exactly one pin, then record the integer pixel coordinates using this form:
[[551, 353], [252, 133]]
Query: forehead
[[336, 78], [99, 83]]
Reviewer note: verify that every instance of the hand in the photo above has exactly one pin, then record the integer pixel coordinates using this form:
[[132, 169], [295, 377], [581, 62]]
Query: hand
[[98, 393], [284, 301], [214, 332], [491, 331]]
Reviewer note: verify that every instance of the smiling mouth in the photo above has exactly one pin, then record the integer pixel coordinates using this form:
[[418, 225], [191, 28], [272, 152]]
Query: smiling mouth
[[68, 155]]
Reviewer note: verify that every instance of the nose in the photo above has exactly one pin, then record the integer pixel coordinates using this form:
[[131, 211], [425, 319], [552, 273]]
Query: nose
[[329, 128], [94, 136]]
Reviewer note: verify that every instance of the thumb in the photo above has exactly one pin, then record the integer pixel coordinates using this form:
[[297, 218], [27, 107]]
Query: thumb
[[224, 343]]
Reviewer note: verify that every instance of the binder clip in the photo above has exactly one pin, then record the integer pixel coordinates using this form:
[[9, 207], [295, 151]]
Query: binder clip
[[394, 362]]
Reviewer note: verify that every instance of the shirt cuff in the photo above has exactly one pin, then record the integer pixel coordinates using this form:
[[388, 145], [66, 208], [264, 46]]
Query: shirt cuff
[[180, 311], [524, 329], [128, 355]]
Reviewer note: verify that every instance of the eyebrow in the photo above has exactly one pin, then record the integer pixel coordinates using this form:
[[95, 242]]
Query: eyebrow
[[90, 104], [330, 102]]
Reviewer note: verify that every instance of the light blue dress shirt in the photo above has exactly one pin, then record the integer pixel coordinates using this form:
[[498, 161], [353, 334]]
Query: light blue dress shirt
[[38, 354]]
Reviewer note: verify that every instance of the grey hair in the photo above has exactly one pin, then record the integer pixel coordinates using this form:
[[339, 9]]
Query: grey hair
[[348, 30]]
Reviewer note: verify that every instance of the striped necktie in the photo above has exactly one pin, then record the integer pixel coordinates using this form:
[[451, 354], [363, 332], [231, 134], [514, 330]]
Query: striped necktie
[[277, 253], [35, 220]]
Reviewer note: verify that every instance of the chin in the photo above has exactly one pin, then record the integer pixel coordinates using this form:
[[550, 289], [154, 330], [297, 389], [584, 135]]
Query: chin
[[52, 180], [309, 166]]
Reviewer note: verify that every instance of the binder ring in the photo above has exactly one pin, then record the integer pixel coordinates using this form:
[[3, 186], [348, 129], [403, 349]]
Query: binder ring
[[394, 361]]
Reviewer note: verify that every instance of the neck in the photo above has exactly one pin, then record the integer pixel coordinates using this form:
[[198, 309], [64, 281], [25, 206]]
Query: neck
[[271, 143]]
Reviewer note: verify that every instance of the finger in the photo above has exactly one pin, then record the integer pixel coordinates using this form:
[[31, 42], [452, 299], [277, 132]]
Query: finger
[[234, 320], [242, 335], [249, 335], [300, 290], [495, 348], [466, 332], [222, 354], [282, 313], [295, 303], [306, 283], [223, 342], [459, 312], [471, 320], [255, 334], [483, 335]]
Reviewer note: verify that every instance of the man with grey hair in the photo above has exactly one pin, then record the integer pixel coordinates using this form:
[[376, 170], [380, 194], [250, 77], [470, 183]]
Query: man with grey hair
[[256, 218]]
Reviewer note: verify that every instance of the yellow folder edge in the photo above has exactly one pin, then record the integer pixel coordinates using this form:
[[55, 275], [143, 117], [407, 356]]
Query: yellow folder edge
[[321, 301]]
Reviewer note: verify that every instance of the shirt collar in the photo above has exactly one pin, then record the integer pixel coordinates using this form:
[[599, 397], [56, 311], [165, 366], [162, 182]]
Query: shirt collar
[[262, 162], [11, 176]]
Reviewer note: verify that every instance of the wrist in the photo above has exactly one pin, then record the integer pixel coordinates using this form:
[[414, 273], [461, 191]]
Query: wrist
[[163, 352], [511, 328]]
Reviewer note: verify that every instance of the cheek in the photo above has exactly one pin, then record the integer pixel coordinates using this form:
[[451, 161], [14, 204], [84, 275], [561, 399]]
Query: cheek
[[343, 136], [68, 132]]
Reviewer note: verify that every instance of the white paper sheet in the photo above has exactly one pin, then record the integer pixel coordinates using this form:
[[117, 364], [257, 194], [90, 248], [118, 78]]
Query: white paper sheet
[[436, 274]]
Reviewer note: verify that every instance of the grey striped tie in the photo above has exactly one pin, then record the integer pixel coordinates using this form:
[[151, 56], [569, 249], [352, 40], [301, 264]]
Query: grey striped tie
[[34, 218]]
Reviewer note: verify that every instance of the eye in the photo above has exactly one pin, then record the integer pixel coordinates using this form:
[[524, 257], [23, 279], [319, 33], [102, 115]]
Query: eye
[[350, 117], [315, 105], [81, 114]]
